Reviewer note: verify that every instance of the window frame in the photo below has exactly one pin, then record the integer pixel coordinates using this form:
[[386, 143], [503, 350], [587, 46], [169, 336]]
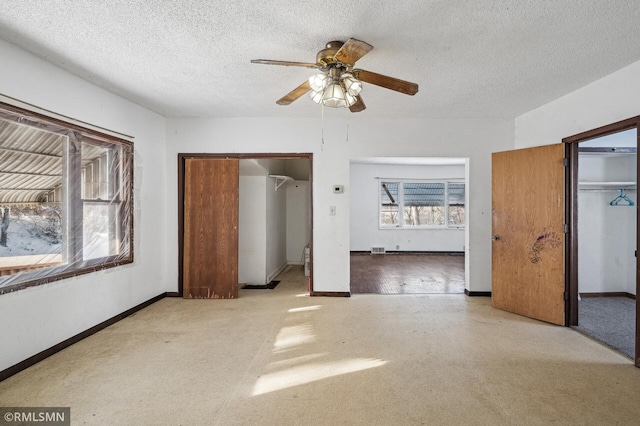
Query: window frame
[[124, 202], [401, 206]]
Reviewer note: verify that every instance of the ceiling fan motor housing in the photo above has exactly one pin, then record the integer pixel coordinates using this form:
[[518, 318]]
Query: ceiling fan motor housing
[[326, 57]]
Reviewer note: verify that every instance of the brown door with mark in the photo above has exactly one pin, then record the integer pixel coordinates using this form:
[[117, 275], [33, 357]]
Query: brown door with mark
[[528, 214], [210, 259]]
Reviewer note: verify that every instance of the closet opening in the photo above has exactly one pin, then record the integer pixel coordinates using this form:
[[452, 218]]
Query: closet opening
[[603, 266], [242, 225], [274, 218]]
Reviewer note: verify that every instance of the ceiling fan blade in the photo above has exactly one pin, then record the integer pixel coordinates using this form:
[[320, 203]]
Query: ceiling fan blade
[[285, 63], [358, 106], [352, 50], [294, 94], [396, 84]]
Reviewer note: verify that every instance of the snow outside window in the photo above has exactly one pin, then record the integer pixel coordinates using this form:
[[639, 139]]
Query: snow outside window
[[65, 200]]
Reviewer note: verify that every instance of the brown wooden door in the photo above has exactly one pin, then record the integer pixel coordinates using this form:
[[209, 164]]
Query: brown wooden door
[[528, 214], [210, 262]]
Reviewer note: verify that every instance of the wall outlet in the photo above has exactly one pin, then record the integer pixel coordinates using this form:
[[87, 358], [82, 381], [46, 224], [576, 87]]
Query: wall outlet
[[338, 189], [397, 247]]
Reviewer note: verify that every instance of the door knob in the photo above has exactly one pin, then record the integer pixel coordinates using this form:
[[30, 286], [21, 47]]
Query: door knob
[[495, 237]]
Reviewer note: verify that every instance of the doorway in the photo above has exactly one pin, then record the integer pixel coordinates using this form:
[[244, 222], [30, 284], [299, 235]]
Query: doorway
[[270, 242], [606, 239], [260, 234], [408, 227]]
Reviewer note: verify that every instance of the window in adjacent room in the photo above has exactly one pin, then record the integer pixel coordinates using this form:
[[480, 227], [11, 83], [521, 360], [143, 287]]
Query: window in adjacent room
[[389, 204], [422, 204], [455, 203]]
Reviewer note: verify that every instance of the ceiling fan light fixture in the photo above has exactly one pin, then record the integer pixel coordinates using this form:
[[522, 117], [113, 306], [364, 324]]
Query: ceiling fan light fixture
[[334, 96], [319, 82], [316, 96], [350, 99], [352, 85]]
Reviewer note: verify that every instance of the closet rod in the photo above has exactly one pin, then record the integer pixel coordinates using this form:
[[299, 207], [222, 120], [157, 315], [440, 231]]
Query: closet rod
[[603, 189]]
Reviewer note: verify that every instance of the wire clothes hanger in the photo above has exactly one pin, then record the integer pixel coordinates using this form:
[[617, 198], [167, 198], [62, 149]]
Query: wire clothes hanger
[[621, 200]]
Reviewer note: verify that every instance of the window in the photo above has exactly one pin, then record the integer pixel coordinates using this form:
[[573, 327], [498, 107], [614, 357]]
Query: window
[[389, 204], [456, 204], [422, 204], [65, 200]]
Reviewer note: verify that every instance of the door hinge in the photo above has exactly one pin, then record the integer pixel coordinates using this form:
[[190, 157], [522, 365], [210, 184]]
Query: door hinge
[[565, 162], [566, 296], [565, 228]]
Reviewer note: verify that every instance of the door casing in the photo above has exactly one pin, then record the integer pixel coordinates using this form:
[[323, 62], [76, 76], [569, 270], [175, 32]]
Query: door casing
[[572, 209], [248, 156]]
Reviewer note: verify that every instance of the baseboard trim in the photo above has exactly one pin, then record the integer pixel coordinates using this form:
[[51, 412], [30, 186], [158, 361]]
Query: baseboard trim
[[450, 253], [330, 294], [173, 294], [609, 294], [23, 365], [477, 293], [275, 273]]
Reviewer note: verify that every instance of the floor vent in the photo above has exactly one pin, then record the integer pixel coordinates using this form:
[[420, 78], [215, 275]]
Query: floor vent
[[377, 250]]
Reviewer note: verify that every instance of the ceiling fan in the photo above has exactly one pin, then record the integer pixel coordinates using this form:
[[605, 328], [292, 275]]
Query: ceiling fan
[[339, 83]]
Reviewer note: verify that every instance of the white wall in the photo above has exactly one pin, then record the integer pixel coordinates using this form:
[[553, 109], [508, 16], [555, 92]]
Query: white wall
[[37, 318], [605, 101], [297, 221], [364, 199], [252, 235], [276, 229], [606, 234], [367, 137]]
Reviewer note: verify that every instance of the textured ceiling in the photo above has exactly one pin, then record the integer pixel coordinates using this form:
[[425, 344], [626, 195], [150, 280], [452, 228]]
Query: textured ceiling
[[477, 58]]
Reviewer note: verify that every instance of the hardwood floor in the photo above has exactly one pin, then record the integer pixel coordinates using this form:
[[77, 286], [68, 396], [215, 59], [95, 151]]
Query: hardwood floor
[[407, 273]]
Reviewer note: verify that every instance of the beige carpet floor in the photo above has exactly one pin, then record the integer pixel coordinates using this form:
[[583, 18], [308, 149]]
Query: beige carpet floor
[[279, 357]]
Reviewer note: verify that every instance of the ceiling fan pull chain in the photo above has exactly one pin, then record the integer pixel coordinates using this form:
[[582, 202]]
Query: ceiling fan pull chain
[[347, 125], [322, 134]]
